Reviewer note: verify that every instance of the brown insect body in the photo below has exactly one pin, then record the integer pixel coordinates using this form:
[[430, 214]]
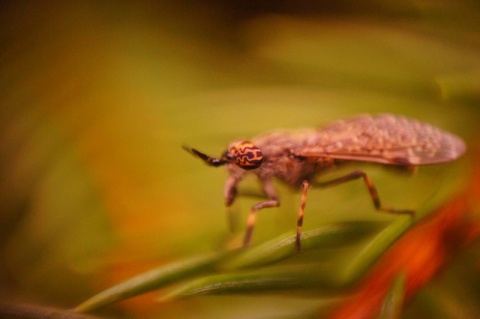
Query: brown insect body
[[280, 159], [297, 157]]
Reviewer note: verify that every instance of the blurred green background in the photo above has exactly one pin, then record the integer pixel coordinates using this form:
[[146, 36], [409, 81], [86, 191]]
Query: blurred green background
[[96, 99]]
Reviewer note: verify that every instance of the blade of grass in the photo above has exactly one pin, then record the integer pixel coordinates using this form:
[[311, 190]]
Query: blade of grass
[[273, 251], [27, 311], [359, 264], [283, 247], [276, 279], [349, 266], [153, 279], [393, 302], [331, 269]]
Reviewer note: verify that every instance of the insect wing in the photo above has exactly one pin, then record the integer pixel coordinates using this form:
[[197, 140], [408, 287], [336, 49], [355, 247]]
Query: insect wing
[[386, 139]]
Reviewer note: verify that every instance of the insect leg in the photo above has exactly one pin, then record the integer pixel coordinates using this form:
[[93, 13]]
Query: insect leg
[[273, 201], [371, 188], [301, 212], [253, 216]]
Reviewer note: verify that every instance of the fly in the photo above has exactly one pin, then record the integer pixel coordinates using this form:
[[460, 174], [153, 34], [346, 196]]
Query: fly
[[297, 157]]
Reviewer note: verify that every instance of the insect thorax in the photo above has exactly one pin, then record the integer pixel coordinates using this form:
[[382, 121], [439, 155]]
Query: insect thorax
[[298, 169], [287, 167]]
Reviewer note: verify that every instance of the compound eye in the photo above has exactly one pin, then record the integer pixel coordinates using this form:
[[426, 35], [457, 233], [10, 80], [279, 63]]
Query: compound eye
[[246, 155]]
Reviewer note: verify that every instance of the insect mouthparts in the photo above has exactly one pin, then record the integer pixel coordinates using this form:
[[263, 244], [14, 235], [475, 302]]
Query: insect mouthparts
[[212, 161]]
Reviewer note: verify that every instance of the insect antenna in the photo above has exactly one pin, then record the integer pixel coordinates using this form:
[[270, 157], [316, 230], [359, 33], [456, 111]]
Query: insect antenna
[[212, 161]]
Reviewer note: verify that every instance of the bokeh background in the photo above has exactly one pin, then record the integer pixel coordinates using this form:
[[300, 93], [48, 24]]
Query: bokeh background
[[96, 99]]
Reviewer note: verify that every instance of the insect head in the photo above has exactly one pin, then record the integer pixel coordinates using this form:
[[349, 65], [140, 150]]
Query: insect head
[[243, 154]]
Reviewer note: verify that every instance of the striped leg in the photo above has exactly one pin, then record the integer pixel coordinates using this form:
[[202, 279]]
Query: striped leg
[[252, 217], [371, 188], [301, 212]]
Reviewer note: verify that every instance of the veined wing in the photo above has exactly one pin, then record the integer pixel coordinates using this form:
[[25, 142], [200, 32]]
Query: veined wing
[[387, 139]]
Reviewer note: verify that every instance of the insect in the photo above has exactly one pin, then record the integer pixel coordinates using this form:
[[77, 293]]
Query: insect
[[298, 157]]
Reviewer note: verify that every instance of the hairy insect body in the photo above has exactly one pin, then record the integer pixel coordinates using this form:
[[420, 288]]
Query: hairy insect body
[[282, 157], [297, 157]]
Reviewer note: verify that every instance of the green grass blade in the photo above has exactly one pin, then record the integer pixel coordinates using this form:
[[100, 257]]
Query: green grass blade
[[151, 280], [334, 257], [29, 311], [292, 278], [365, 257], [393, 302], [273, 251], [283, 247]]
